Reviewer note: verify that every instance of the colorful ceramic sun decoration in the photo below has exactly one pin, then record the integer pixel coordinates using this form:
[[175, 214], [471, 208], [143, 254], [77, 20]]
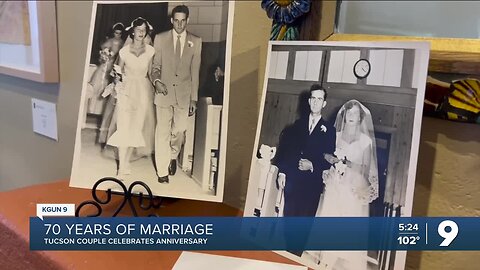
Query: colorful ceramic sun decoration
[[457, 101], [286, 17], [463, 102]]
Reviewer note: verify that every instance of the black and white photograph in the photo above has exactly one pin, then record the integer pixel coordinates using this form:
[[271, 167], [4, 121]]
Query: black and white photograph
[[338, 136], [154, 103]]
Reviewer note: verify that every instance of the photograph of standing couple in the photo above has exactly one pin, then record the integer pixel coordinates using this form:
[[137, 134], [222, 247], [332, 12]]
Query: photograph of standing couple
[[313, 149], [338, 161], [152, 105], [335, 137]]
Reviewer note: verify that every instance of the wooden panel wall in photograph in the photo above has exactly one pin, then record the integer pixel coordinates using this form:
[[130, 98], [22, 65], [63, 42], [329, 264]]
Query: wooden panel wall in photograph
[[404, 97], [307, 65], [386, 67], [381, 115], [329, 113], [283, 109], [278, 65], [280, 110], [408, 79], [340, 66], [399, 156], [406, 131]]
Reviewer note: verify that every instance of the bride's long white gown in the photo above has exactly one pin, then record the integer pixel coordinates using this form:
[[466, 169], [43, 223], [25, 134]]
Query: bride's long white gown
[[135, 109], [343, 198]]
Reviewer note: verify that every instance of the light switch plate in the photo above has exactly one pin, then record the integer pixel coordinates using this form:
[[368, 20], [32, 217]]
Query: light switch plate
[[44, 118]]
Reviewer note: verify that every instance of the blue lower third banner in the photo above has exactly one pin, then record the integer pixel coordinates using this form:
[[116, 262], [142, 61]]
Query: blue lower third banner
[[233, 233]]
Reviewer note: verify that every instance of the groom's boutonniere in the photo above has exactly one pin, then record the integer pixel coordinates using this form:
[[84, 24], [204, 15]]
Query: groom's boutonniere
[[190, 44], [323, 128], [340, 167]]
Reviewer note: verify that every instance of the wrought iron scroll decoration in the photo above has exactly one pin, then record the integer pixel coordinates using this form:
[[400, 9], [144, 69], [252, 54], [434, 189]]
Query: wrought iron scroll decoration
[[145, 201]]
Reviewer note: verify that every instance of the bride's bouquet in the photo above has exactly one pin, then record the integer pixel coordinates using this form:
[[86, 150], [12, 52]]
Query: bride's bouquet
[[339, 165], [106, 54], [116, 87], [337, 170]]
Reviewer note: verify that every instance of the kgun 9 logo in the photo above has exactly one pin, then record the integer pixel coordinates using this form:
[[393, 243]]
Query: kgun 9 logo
[[450, 235]]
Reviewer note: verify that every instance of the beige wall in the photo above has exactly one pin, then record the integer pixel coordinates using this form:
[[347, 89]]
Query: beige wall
[[447, 184], [251, 30], [447, 179]]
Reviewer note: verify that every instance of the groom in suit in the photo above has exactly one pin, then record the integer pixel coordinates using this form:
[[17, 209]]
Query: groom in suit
[[300, 157], [175, 75]]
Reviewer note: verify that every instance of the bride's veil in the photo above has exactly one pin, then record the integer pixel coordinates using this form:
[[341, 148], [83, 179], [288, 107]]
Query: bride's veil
[[366, 128]]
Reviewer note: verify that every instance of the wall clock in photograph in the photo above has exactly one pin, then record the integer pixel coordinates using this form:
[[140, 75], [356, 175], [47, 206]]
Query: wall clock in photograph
[[361, 69]]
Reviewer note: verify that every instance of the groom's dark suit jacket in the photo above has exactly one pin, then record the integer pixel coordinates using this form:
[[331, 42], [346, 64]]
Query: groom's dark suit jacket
[[303, 188]]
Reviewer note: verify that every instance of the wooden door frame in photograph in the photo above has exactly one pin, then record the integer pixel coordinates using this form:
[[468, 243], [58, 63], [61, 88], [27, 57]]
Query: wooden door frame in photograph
[[47, 45]]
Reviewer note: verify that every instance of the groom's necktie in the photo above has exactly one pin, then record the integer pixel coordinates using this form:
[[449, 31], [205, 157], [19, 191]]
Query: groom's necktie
[[178, 49], [312, 123]]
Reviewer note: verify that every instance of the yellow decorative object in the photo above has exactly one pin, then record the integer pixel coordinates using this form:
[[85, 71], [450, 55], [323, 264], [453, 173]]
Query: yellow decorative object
[[463, 102], [283, 3], [282, 32]]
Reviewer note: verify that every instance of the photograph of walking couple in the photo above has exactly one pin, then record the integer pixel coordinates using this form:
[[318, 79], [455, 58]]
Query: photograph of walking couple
[[154, 100], [338, 136]]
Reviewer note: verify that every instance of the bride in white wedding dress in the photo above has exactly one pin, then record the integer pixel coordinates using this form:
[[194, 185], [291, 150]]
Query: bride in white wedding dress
[[135, 109], [351, 184]]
